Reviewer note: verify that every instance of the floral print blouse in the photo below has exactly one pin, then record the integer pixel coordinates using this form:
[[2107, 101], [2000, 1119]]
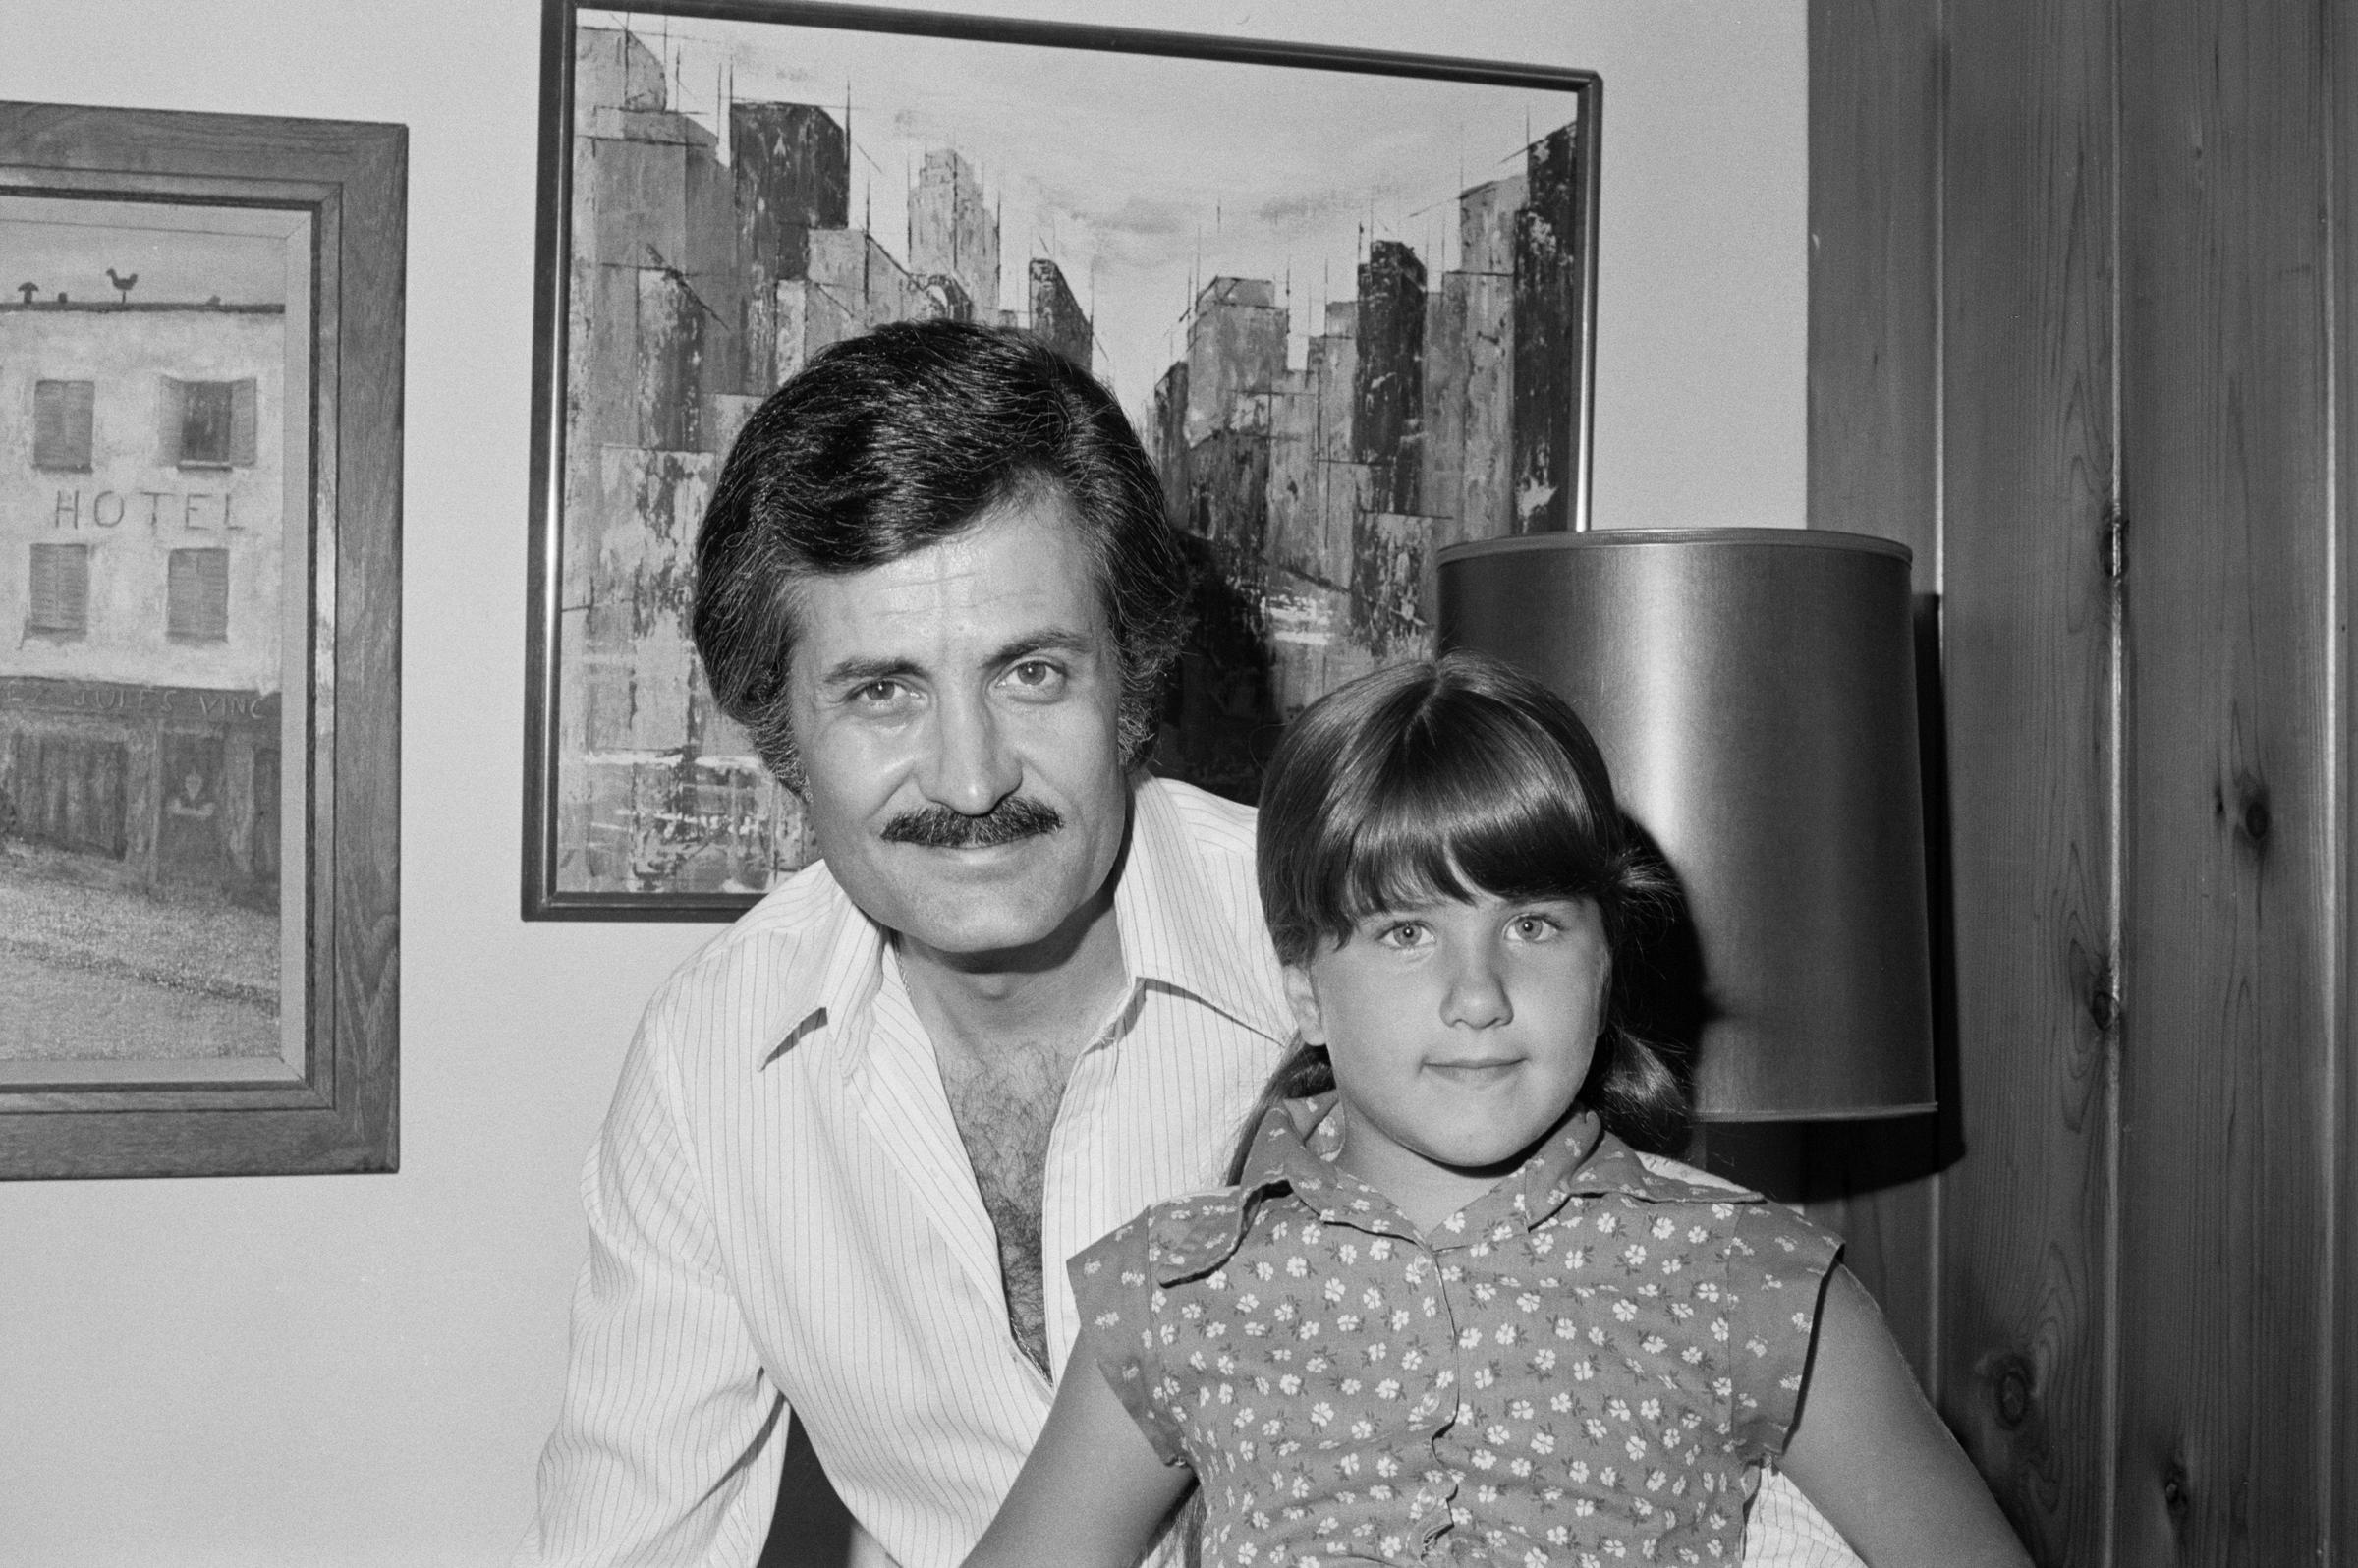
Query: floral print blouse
[[1578, 1367]]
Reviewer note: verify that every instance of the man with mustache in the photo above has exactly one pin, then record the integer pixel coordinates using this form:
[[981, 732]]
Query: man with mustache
[[1025, 993]]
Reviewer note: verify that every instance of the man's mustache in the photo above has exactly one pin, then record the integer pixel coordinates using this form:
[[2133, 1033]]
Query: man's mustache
[[939, 827]]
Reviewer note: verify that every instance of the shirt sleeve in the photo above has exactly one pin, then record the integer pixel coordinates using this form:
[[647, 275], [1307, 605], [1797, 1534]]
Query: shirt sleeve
[[670, 1437], [1115, 1296], [1777, 1268]]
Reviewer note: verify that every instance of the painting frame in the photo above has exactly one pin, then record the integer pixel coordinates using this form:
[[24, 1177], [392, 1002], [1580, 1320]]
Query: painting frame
[[337, 1111], [549, 839]]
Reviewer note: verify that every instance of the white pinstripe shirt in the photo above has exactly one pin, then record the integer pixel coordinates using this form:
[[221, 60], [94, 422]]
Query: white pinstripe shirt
[[782, 1215], [779, 1204]]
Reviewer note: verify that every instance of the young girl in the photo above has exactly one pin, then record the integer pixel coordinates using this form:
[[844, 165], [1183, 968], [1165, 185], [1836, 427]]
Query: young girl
[[1448, 1314]]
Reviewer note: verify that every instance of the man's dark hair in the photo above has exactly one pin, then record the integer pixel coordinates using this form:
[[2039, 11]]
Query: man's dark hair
[[891, 442]]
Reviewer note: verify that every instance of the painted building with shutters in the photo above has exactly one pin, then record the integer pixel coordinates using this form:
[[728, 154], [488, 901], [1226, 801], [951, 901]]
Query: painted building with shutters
[[142, 610]]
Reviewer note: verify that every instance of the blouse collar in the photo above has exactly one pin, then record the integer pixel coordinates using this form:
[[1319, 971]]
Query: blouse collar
[[1293, 1151]]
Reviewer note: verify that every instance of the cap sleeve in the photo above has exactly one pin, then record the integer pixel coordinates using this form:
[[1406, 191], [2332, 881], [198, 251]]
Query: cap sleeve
[[1116, 1295], [1777, 1268]]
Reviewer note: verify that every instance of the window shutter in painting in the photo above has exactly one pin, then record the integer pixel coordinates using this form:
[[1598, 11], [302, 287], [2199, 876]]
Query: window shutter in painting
[[241, 422], [196, 596], [61, 588], [207, 425], [61, 424], [171, 410]]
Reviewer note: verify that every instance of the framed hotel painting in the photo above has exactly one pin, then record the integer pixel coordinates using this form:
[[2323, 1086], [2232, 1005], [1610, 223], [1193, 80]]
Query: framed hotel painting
[[201, 372], [1347, 297]]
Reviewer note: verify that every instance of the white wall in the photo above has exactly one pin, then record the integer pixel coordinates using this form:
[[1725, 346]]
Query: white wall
[[360, 1370]]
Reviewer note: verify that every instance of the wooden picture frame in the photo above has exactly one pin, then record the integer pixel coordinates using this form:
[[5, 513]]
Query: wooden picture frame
[[200, 724], [1347, 297]]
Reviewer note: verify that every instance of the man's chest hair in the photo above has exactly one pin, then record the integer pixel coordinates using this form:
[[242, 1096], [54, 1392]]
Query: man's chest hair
[[1004, 1103], [1005, 1106]]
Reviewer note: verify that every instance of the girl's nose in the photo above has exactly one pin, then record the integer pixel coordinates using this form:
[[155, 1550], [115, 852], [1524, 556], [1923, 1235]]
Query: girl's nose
[[967, 766], [1477, 994]]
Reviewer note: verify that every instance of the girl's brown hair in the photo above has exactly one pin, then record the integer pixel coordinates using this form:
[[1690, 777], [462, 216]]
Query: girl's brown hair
[[1443, 780]]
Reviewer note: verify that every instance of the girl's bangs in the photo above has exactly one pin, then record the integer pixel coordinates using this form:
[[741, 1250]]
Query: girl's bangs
[[1490, 813]]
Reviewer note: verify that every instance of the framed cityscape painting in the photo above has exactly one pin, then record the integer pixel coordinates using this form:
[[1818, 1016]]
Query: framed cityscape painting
[[200, 585], [1347, 297]]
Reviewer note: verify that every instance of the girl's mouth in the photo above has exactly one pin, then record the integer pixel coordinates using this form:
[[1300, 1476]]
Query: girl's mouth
[[1487, 1071]]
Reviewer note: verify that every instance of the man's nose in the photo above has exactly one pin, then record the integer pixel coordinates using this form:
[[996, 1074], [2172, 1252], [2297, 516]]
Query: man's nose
[[1476, 990], [968, 767]]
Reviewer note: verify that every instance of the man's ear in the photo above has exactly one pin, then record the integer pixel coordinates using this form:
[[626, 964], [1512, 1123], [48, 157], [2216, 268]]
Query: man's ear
[[1304, 994]]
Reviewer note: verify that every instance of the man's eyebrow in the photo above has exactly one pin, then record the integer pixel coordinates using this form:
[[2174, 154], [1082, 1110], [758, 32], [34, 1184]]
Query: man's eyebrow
[[1048, 639], [857, 671]]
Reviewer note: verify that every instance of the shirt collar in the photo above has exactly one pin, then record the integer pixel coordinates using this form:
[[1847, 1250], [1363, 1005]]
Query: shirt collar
[[1294, 1149], [1172, 931], [841, 987], [850, 975], [1298, 1141]]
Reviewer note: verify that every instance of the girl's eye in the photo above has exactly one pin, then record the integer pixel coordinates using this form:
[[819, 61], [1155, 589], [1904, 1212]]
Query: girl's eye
[[1533, 928], [1403, 933]]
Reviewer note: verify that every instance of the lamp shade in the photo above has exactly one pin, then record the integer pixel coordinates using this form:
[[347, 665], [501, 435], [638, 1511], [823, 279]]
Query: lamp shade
[[1754, 693]]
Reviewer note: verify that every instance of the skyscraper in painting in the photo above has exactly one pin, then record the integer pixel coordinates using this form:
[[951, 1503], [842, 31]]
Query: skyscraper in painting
[[1425, 412]]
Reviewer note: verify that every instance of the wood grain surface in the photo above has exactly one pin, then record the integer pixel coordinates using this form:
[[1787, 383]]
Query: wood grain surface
[[2340, 1507], [362, 951], [2231, 841], [1874, 371], [1874, 429], [2030, 425]]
